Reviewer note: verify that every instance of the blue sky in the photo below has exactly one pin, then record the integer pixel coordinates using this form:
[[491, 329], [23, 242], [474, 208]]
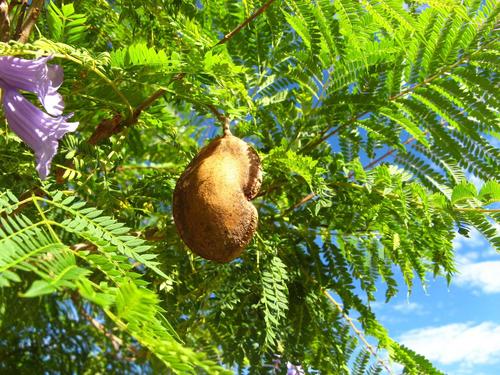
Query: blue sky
[[456, 327]]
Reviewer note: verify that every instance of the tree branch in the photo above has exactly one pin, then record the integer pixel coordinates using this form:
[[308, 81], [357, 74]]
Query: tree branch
[[374, 162], [115, 125], [357, 331], [329, 132], [385, 156], [304, 200], [482, 210], [31, 18], [116, 341], [20, 19], [259, 11], [4, 21]]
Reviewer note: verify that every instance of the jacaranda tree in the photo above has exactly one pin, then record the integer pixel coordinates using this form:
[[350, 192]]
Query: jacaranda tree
[[369, 117]]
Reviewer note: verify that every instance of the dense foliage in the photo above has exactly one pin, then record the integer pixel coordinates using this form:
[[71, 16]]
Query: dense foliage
[[368, 115]]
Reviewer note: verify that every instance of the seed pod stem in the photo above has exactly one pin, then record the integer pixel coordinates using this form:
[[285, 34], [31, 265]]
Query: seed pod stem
[[227, 131], [224, 119]]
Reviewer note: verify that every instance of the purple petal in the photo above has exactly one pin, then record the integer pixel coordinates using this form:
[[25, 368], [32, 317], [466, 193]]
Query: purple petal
[[35, 76], [294, 369], [38, 130], [53, 103], [56, 75]]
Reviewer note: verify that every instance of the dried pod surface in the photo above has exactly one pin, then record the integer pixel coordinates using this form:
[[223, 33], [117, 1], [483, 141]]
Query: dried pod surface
[[212, 208]]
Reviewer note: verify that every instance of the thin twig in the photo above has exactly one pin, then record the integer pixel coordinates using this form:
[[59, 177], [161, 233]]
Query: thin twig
[[259, 11], [216, 113], [227, 131], [382, 157], [304, 200], [144, 105], [310, 196], [115, 340], [358, 332], [31, 18], [329, 132], [472, 209], [105, 129]]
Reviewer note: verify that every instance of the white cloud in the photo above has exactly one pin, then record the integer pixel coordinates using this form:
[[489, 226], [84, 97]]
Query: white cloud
[[475, 240], [409, 308], [480, 269], [484, 276], [459, 343]]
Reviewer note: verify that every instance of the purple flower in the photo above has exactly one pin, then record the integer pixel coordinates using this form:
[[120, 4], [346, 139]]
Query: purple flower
[[39, 130], [294, 369]]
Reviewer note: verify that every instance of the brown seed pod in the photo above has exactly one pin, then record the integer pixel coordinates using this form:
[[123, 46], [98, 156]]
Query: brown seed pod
[[212, 208]]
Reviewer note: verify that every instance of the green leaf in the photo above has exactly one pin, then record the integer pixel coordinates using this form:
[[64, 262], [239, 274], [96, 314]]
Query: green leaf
[[463, 191], [490, 192], [406, 123], [39, 288]]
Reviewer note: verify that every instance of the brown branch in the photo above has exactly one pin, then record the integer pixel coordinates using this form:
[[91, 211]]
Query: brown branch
[[144, 105], [259, 11], [216, 113], [360, 334], [83, 247], [20, 19], [225, 127], [482, 210], [117, 124], [4, 21], [106, 129], [116, 341], [327, 133], [310, 196], [382, 157], [31, 18], [304, 200]]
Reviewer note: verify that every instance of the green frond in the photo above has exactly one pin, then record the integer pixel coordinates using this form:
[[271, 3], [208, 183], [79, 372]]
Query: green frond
[[142, 55], [407, 124], [65, 25], [370, 117], [425, 172], [89, 223], [490, 192], [274, 298], [350, 20], [414, 363], [37, 247], [485, 226]]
